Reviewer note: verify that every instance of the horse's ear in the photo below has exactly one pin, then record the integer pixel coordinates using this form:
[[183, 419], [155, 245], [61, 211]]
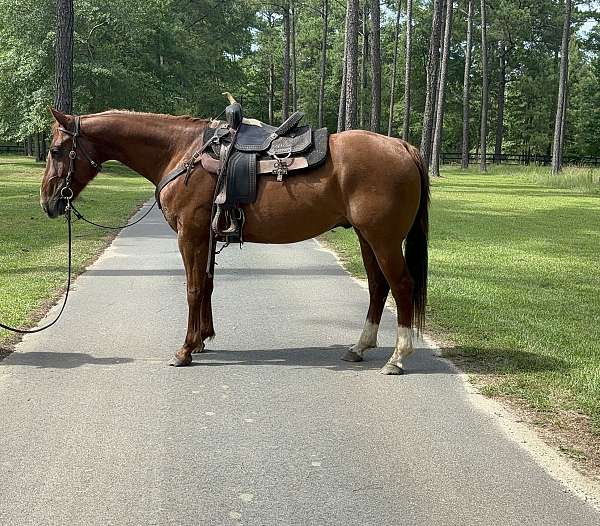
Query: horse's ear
[[63, 119]]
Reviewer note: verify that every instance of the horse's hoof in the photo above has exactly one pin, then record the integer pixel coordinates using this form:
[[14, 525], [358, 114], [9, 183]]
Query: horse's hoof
[[390, 368], [351, 356], [180, 362]]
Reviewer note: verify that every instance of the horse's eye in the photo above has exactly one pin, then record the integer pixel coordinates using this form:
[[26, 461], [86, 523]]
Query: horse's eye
[[56, 153]]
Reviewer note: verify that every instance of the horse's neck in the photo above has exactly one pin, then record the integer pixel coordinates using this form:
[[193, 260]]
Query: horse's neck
[[146, 143]]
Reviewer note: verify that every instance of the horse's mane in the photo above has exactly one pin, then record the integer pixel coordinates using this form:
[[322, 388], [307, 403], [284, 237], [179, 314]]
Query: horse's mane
[[188, 118]]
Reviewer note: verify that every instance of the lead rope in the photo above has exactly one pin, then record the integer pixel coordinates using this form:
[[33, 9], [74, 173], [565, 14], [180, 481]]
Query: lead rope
[[79, 215], [69, 274], [66, 193]]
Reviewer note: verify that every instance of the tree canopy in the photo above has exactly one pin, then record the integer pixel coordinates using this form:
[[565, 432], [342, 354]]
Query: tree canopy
[[177, 56]]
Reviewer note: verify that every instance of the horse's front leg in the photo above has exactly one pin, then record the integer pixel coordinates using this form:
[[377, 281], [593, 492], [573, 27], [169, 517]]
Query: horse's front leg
[[194, 252]]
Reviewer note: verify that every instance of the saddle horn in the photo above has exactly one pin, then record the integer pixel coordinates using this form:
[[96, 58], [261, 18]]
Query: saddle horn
[[229, 97]]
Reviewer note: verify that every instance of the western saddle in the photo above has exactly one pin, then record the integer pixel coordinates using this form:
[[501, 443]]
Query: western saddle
[[238, 150]]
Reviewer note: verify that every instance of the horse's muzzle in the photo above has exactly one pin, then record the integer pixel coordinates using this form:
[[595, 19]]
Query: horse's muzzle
[[54, 207]]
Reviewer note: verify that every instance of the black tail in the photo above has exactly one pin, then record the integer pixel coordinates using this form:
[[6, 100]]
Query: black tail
[[415, 249]]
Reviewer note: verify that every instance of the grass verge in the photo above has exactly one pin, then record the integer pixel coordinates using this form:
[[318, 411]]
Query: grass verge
[[33, 248], [514, 281]]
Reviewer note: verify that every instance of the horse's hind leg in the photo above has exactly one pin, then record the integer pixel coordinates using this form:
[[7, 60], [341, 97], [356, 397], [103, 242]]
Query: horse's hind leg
[[378, 291], [392, 263]]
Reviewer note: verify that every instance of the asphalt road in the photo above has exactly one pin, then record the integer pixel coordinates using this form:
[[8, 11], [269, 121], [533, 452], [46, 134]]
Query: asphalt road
[[268, 428]]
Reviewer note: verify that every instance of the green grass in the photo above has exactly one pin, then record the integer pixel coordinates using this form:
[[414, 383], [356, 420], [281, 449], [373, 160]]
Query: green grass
[[33, 248], [515, 285], [581, 179]]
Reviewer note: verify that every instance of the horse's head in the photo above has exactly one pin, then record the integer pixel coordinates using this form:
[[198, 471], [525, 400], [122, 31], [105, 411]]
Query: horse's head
[[70, 165]]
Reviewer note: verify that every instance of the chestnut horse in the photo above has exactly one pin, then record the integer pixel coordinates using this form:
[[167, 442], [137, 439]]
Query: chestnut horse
[[375, 184]]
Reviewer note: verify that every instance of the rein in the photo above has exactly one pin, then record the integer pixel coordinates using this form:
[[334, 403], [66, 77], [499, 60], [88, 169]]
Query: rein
[[66, 193]]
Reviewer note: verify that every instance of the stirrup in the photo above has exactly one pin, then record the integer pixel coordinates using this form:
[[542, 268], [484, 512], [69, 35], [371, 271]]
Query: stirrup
[[233, 224], [215, 222]]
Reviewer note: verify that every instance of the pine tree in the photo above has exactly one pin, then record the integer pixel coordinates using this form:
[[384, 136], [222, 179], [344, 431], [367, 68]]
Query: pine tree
[[484, 91], [432, 81], [63, 95], [466, 87], [561, 105], [375, 67], [351, 65], [439, 116], [394, 69], [325, 15], [407, 70], [285, 104]]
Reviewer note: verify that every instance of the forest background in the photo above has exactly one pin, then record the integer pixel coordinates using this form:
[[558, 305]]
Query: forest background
[[359, 64]]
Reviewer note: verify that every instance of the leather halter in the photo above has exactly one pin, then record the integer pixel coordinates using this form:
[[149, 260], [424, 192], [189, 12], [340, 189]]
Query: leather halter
[[76, 133]]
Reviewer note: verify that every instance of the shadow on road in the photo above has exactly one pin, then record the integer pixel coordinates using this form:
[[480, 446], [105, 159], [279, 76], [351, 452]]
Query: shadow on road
[[421, 362], [59, 360], [236, 273]]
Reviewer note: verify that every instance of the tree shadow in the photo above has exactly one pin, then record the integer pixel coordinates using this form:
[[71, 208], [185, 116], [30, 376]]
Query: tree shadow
[[24, 164], [532, 190], [498, 362], [59, 360]]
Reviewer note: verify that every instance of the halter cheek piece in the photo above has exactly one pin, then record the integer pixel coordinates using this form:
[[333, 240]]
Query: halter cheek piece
[[66, 192]]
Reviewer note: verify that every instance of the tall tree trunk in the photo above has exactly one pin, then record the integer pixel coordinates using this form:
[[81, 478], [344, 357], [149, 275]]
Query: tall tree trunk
[[44, 147], [271, 89], [63, 95], [484, 90], [432, 81], [285, 104], [376, 67], [394, 70], [352, 64], [407, 70], [341, 123], [444, 3], [39, 152], [293, 56], [325, 14], [501, 102], [466, 88], [563, 124], [562, 92], [439, 116], [364, 61]]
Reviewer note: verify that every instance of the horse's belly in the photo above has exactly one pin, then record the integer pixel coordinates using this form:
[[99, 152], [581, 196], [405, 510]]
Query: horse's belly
[[299, 208]]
